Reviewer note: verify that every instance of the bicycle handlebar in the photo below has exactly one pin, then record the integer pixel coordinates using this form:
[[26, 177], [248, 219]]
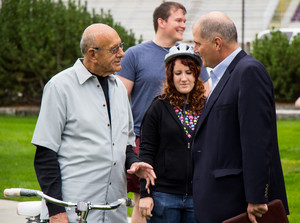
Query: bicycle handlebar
[[19, 192], [22, 192]]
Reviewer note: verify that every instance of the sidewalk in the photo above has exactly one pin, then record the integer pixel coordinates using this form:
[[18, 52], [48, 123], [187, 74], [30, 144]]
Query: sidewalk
[[8, 212]]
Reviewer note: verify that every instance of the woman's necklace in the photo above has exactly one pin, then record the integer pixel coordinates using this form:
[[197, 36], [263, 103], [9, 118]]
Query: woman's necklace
[[188, 119]]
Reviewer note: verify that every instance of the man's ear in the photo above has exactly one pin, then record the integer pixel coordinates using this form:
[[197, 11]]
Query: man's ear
[[161, 22], [218, 43], [91, 54]]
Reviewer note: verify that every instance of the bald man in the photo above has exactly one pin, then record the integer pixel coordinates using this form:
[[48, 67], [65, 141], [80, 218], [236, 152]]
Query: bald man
[[235, 153], [84, 133]]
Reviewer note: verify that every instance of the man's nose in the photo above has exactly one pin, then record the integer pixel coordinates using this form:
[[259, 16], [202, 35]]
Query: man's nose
[[196, 48], [121, 53], [183, 25]]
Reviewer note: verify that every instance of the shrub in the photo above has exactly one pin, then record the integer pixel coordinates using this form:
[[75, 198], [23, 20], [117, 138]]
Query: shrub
[[38, 39], [282, 61]]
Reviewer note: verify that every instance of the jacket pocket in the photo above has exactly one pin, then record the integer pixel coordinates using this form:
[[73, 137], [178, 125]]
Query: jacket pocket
[[176, 160], [226, 172]]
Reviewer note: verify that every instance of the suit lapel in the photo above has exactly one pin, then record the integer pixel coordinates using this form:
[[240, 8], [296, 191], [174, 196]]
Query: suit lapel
[[219, 88]]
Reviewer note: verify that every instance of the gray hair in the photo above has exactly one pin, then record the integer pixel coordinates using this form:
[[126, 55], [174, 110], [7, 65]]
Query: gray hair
[[87, 41], [212, 27], [94, 34]]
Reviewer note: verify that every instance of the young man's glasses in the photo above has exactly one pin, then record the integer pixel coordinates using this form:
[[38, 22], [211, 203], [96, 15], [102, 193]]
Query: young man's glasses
[[113, 50]]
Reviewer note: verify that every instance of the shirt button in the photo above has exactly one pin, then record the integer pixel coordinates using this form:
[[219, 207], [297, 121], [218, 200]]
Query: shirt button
[[103, 105], [113, 144], [115, 163], [98, 85]]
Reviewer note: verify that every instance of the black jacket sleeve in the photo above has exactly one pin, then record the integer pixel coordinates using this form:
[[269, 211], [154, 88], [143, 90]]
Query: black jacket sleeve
[[130, 157], [49, 177], [150, 138]]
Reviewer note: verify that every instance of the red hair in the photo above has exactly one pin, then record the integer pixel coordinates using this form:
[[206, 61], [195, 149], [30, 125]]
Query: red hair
[[196, 97]]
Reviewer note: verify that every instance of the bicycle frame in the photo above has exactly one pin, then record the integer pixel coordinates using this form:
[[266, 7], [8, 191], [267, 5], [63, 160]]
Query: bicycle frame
[[82, 208]]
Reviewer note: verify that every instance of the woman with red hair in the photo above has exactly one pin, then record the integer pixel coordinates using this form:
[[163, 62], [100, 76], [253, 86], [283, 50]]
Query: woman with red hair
[[166, 135]]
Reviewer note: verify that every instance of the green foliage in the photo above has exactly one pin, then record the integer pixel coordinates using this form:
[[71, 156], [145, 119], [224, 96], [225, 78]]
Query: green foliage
[[293, 69], [282, 61], [39, 38]]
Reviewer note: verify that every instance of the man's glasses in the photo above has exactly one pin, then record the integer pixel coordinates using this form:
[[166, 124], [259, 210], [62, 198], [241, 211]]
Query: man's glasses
[[113, 50]]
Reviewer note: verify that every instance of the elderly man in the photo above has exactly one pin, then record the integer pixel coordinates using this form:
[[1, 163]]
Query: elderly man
[[84, 134]]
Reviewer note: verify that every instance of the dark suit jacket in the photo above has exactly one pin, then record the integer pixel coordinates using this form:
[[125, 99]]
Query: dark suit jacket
[[235, 151]]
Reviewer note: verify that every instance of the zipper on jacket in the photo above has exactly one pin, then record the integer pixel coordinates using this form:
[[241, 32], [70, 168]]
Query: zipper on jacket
[[189, 148], [187, 174], [184, 106]]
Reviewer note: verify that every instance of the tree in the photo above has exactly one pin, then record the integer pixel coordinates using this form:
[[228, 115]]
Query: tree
[[282, 60], [38, 39]]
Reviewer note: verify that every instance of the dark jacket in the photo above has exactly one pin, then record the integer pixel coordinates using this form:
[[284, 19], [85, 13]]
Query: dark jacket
[[235, 151], [165, 146]]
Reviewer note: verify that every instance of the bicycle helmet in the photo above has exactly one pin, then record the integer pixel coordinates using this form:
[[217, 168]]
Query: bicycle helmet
[[182, 49]]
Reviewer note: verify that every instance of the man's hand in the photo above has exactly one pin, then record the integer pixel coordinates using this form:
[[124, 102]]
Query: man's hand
[[256, 210], [143, 170], [59, 218], [146, 206]]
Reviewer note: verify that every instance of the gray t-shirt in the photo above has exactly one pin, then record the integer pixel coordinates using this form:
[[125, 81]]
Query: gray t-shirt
[[144, 65]]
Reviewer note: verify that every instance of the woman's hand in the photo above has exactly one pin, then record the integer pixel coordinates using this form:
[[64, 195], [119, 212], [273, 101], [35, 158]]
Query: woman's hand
[[146, 206]]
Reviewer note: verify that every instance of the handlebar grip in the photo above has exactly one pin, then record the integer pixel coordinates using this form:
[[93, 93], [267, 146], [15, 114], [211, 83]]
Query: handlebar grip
[[12, 192], [29, 193], [18, 192]]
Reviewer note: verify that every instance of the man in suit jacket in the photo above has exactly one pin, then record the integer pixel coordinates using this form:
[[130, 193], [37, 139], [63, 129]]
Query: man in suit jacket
[[235, 153]]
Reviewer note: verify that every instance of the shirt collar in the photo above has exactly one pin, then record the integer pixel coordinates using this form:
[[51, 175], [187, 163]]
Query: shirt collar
[[83, 74], [220, 69]]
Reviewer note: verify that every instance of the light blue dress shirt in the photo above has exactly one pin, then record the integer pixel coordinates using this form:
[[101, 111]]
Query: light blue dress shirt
[[217, 72]]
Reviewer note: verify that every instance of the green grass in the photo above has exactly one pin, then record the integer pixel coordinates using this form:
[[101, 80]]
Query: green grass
[[17, 154], [289, 144]]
